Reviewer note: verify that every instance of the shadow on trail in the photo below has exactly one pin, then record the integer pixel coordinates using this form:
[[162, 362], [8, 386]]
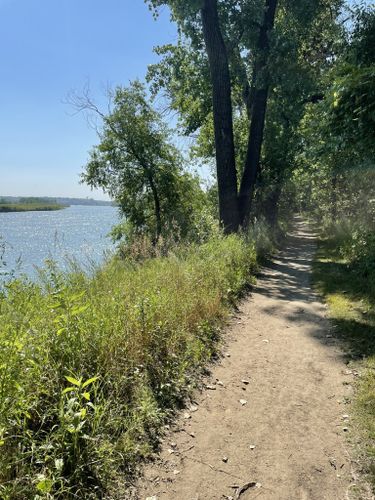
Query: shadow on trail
[[289, 278]]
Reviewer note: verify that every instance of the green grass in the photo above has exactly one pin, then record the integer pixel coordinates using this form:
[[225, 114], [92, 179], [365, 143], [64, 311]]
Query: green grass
[[350, 295], [91, 368], [29, 207]]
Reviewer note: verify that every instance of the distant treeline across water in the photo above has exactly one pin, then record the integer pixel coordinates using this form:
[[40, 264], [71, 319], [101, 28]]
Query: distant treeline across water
[[49, 200]]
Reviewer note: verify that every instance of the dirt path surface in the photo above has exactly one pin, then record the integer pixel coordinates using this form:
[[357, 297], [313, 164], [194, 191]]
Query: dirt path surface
[[273, 416]]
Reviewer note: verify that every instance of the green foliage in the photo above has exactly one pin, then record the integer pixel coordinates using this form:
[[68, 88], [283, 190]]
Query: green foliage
[[91, 367], [303, 45], [335, 170], [183, 74], [351, 99], [140, 168]]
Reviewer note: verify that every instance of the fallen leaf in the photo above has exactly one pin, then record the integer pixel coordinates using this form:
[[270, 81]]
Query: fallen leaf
[[176, 472], [193, 408], [243, 402], [265, 340]]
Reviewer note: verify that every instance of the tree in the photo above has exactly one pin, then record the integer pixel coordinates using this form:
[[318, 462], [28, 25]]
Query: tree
[[233, 210], [260, 90], [234, 45], [336, 172], [222, 116], [138, 166]]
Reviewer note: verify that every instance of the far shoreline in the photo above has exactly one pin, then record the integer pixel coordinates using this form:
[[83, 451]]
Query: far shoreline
[[9, 207]]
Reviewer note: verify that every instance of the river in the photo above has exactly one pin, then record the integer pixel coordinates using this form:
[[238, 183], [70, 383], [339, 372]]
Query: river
[[77, 232]]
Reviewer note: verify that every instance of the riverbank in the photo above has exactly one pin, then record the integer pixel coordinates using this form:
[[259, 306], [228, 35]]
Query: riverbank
[[93, 367], [10, 207]]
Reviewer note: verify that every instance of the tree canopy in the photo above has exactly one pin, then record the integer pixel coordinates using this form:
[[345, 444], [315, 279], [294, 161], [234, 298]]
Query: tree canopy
[[137, 164]]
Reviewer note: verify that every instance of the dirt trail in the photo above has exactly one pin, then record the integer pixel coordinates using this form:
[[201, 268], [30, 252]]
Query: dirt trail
[[282, 360]]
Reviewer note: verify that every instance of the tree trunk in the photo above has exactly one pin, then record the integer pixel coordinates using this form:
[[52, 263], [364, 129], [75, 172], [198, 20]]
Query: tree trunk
[[271, 207], [259, 106], [157, 208], [334, 196], [223, 119]]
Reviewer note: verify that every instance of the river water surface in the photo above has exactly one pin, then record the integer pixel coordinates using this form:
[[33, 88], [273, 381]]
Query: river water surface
[[77, 232]]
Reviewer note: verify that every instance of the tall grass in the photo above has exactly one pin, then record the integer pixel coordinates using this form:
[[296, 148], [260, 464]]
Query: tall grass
[[90, 367]]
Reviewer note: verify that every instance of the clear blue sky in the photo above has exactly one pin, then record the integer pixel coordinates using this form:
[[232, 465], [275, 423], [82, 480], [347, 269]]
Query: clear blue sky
[[47, 48]]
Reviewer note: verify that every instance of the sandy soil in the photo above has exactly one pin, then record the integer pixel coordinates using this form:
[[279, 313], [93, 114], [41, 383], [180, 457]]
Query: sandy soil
[[272, 420]]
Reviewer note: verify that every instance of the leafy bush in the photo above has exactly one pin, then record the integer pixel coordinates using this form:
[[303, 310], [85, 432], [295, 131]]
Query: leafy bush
[[360, 251], [91, 367], [355, 242]]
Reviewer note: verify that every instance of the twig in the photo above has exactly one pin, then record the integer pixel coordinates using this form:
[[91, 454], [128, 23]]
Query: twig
[[212, 467], [245, 487]]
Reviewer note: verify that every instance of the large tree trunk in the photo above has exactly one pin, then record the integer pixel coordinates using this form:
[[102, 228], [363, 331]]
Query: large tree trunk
[[223, 119], [259, 106]]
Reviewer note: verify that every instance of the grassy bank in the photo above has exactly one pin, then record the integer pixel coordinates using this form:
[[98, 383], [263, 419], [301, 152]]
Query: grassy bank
[[348, 285], [29, 207], [90, 368]]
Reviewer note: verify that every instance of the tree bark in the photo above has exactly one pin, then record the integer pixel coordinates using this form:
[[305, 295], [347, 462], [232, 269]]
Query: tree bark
[[271, 206], [157, 208], [223, 118], [259, 106]]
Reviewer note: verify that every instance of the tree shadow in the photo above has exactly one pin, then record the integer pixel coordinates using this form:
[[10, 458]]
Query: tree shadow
[[301, 274]]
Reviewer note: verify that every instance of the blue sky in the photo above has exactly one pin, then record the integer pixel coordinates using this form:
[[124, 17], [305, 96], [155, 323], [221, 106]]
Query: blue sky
[[47, 48]]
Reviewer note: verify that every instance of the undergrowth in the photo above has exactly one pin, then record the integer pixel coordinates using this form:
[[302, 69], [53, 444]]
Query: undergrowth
[[344, 273], [91, 367]]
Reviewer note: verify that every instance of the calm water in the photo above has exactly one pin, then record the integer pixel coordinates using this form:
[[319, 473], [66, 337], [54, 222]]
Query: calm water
[[77, 232]]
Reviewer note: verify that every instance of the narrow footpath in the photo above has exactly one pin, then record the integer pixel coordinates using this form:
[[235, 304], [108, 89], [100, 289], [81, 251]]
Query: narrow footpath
[[272, 421]]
